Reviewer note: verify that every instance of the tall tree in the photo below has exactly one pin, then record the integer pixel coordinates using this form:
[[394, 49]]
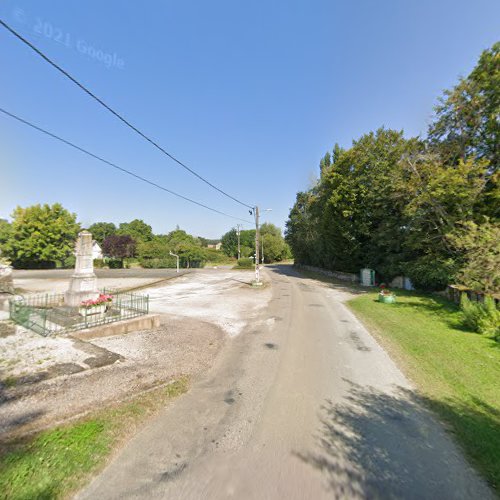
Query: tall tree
[[467, 124], [138, 229], [119, 246], [41, 236], [101, 230]]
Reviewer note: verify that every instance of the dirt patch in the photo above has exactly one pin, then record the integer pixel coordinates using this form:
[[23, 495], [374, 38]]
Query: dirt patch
[[142, 360], [7, 328]]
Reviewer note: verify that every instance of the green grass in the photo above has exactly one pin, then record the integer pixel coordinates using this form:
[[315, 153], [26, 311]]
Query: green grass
[[456, 371], [58, 461]]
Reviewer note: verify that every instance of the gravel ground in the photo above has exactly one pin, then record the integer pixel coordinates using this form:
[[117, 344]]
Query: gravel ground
[[224, 298], [150, 358], [63, 377]]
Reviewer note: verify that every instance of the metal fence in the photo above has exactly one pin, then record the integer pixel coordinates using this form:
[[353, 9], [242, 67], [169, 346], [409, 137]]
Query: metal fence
[[47, 314]]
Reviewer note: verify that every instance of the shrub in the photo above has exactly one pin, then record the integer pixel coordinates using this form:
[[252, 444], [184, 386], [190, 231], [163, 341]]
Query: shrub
[[115, 264], [158, 263], [99, 263], [430, 273], [245, 264], [481, 317]]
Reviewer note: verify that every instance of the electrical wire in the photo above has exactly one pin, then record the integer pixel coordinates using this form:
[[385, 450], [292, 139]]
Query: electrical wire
[[115, 113], [124, 170]]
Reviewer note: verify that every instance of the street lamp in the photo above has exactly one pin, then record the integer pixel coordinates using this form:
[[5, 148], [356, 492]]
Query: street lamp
[[174, 255]]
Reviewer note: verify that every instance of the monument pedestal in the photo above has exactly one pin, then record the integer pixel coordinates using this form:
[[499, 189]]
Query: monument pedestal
[[81, 287], [6, 282], [83, 284]]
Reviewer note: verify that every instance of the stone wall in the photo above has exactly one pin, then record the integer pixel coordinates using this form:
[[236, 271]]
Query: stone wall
[[351, 277]]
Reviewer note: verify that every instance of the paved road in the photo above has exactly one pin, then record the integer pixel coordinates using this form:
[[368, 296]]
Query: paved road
[[303, 405]]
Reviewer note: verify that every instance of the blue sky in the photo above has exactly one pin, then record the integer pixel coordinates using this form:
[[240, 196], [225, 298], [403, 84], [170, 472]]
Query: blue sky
[[248, 94]]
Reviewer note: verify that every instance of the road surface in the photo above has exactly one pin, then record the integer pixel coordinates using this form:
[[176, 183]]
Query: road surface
[[303, 404]]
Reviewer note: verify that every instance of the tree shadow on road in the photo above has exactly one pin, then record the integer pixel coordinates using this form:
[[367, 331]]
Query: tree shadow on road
[[290, 270], [380, 445]]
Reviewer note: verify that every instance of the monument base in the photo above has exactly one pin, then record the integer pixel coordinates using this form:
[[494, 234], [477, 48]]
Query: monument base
[[81, 287]]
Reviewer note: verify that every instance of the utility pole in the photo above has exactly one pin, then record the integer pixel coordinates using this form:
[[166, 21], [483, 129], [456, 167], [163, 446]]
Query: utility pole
[[257, 271], [238, 231]]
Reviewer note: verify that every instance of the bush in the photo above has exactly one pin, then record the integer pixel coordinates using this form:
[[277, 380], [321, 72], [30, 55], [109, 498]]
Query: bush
[[430, 273], [99, 263], [115, 264], [159, 263], [481, 317], [245, 264]]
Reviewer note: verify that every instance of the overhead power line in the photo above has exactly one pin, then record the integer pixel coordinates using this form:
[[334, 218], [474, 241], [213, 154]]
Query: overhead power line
[[124, 170], [115, 113]]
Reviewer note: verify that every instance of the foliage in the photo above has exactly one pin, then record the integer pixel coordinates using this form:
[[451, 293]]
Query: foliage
[[397, 205], [455, 372], [119, 247], [100, 230], [41, 236], [275, 247], [137, 229], [5, 229], [159, 263], [466, 120], [230, 242], [481, 317], [430, 272], [245, 263], [480, 247], [99, 263], [156, 252]]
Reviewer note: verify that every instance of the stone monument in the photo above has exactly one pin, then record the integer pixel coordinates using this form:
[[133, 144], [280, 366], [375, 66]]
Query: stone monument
[[6, 282], [83, 284]]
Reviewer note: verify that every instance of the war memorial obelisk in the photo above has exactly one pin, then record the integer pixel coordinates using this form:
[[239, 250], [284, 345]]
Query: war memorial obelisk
[[83, 284]]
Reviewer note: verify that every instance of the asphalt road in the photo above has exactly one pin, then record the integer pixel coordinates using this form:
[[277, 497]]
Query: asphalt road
[[303, 405]]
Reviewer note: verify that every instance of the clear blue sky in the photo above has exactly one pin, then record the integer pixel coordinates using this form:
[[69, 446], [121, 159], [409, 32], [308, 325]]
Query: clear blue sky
[[249, 94]]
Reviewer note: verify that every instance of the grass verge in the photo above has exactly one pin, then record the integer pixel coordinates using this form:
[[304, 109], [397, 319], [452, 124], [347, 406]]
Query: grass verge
[[57, 462], [457, 372]]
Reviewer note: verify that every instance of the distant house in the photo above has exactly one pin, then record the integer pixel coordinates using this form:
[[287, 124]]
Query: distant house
[[96, 250], [217, 246]]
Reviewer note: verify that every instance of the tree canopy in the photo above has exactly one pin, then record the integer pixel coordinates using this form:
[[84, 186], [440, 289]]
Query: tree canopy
[[101, 230], [137, 229], [40, 236], [397, 204]]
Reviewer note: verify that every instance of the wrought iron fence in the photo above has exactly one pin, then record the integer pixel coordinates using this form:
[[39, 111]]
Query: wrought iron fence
[[47, 314]]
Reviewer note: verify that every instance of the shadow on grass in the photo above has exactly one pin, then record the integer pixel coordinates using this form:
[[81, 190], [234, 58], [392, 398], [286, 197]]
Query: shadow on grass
[[379, 445], [439, 307]]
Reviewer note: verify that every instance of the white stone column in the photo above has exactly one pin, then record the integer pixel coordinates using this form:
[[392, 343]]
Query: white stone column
[[83, 284]]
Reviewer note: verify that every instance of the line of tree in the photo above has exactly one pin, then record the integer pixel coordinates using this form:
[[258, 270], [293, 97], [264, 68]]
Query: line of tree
[[43, 236], [273, 245], [427, 208]]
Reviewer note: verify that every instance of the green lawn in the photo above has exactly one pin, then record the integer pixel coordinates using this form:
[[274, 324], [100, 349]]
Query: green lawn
[[457, 372], [58, 461]]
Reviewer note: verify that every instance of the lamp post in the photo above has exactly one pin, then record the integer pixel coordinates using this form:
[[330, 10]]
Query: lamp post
[[174, 255]]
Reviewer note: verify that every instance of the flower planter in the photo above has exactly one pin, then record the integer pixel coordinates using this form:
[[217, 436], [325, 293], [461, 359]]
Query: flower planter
[[90, 311], [386, 299]]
